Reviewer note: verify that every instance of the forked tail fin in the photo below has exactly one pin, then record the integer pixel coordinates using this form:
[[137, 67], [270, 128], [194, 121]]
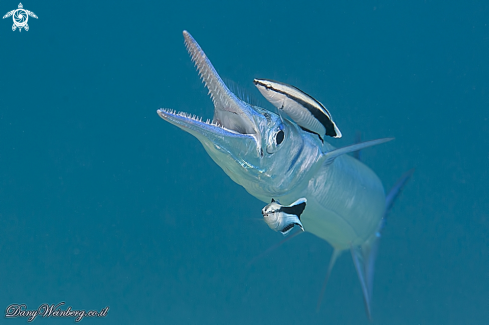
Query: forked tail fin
[[364, 260], [365, 254]]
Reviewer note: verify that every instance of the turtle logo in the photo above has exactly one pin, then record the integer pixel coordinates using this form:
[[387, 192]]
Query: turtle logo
[[20, 17]]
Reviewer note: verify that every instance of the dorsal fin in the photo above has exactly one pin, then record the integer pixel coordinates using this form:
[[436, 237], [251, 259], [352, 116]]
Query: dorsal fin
[[396, 190]]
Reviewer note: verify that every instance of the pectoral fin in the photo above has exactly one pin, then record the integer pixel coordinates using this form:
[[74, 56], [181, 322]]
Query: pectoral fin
[[333, 154], [358, 139]]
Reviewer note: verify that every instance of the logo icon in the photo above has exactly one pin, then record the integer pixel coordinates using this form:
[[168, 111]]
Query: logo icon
[[20, 17]]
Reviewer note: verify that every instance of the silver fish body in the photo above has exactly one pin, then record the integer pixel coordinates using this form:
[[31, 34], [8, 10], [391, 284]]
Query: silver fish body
[[273, 157]]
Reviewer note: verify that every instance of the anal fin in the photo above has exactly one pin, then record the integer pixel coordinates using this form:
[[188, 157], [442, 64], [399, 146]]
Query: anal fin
[[274, 247], [332, 261]]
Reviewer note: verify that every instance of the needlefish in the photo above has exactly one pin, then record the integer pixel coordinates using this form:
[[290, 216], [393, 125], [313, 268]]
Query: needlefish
[[285, 158]]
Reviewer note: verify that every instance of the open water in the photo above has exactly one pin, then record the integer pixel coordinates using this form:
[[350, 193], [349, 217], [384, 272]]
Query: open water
[[104, 204]]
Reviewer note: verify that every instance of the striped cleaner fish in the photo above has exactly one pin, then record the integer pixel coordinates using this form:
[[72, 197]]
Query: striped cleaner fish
[[286, 158]]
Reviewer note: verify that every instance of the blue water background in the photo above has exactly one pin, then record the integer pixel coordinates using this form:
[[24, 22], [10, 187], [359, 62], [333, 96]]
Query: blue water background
[[102, 203]]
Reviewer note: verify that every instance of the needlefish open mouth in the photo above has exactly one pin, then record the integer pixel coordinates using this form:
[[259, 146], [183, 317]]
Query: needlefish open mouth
[[240, 121], [285, 161], [233, 118]]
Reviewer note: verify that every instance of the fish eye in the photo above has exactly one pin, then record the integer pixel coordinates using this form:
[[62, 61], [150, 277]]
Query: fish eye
[[274, 138], [279, 137]]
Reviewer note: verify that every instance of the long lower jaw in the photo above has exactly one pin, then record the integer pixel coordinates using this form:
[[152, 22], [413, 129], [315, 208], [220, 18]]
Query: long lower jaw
[[207, 131]]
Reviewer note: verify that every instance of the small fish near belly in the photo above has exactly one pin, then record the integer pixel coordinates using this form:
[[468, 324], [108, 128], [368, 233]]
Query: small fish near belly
[[283, 218]]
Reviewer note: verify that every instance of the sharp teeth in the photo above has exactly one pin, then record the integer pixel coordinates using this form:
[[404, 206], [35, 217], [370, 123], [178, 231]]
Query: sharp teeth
[[196, 118], [189, 116]]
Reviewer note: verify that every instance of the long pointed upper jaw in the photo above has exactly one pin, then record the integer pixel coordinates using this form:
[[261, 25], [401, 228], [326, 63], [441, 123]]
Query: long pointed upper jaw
[[233, 119]]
